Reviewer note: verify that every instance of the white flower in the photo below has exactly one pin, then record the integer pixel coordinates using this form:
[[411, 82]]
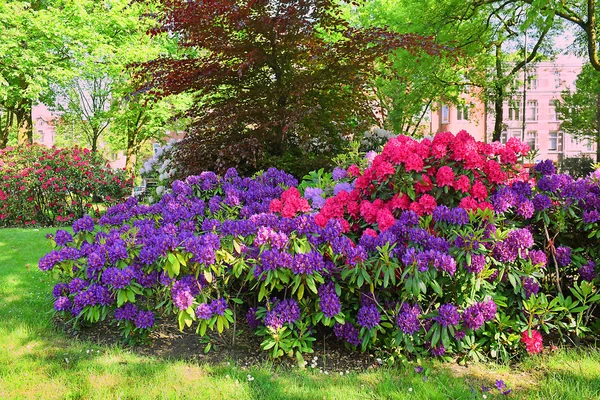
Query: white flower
[[160, 190]]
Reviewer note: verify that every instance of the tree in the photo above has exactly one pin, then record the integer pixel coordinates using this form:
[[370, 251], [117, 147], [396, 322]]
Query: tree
[[487, 37], [39, 41], [578, 109], [585, 16], [275, 82]]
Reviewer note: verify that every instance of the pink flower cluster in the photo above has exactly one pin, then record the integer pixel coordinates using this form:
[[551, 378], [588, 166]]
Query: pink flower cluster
[[420, 175], [290, 203], [533, 342]]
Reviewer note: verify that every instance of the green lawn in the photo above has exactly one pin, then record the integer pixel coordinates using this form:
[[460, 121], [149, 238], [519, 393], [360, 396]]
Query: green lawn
[[36, 361]]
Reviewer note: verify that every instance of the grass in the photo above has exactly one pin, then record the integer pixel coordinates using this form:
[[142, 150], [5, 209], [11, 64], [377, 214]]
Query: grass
[[37, 361]]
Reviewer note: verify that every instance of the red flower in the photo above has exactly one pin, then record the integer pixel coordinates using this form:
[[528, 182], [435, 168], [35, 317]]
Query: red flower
[[479, 191], [463, 183], [445, 176], [533, 342]]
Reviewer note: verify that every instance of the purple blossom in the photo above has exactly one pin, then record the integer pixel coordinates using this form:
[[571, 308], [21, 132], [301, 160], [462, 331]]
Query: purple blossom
[[126, 312], [144, 320], [117, 278], [342, 187], [541, 202], [85, 224], [472, 317], [287, 310], [204, 311], [339, 174], [48, 261], [563, 256], [347, 332], [545, 167], [538, 258], [588, 271], [447, 315], [62, 237], [62, 303], [76, 285], [252, 319], [408, 319], [60, 289], [530, 286], [218, 306], [438, 351], [329, 300], [308, 263], [368, 315], [477, 263]]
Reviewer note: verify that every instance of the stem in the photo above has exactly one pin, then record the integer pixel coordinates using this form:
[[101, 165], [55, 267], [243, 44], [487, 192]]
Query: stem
[[553, 252]]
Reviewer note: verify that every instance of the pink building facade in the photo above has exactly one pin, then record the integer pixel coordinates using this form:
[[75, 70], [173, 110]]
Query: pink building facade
[[529, 115]]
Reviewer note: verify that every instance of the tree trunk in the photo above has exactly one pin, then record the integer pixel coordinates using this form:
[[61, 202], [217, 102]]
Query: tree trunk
[[598, 128], [24, 124], [7, 122], [498, 97], [131, 152]]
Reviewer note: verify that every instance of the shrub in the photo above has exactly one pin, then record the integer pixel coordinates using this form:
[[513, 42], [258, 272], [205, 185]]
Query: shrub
[[577, 167], [412, 254], [159, 172], [54, 186]]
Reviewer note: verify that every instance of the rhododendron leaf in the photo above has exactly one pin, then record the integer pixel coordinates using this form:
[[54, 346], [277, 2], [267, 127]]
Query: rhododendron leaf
[[121, 297], [208, 276], [311, 284], [130, 295], [181, 259], [300, 292]]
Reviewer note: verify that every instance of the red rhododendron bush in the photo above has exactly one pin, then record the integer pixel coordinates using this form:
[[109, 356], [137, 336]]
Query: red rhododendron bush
[[50, 186], [430, 248]]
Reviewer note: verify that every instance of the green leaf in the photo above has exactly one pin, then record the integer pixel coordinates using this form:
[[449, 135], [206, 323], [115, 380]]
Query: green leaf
[[300, 292]]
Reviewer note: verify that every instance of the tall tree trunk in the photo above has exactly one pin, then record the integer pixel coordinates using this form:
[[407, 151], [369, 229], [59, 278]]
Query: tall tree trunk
[[6, 122], [498, 97], [24, 124], [131, 152], [598, 128]]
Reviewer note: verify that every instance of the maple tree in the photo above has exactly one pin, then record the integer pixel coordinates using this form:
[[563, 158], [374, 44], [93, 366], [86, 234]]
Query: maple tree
[[276, 83]]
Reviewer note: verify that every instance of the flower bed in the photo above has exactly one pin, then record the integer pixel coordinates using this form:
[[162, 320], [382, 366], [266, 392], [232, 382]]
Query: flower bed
[[419, 252], [43, 186]]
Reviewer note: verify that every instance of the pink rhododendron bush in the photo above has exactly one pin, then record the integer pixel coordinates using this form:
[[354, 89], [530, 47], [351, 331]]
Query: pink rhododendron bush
[[43, 186], [431, 248]]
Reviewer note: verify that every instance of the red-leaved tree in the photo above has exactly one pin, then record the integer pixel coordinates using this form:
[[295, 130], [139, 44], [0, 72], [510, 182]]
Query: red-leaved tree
[[277, 82]]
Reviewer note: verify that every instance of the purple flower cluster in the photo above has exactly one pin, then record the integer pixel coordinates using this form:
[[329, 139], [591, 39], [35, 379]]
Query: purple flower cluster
[[447, 315], [368, 315], [308, 263], [127, 311], [530, 286], [144, 320], [339, 173], [545, 167], [85, 224], [588, 271], [563, 256], [204, 311], [514, 245], [284, 312], [347, 332], [408, 319], [252, 319], [477, 263], [329, 300], [475, 316], [62, 237], [118, 278], [453, 216]]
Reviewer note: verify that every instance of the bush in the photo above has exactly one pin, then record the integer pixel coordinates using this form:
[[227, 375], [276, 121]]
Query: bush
[[43, 186], [415, 254], [577, 167]]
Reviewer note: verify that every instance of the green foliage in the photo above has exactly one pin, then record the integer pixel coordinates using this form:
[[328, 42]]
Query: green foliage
[[577, 167]]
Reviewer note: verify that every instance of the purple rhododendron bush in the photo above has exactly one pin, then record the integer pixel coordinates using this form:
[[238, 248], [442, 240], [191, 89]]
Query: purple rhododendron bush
[[444, 247], [51, 186]]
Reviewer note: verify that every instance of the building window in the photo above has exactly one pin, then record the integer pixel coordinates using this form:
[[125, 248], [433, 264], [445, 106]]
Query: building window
[[554, 141], [514, 111], [531, 139], [552, 110], [511, 134], [445, 115], [462, 113], [532, 82], [531, 113]]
